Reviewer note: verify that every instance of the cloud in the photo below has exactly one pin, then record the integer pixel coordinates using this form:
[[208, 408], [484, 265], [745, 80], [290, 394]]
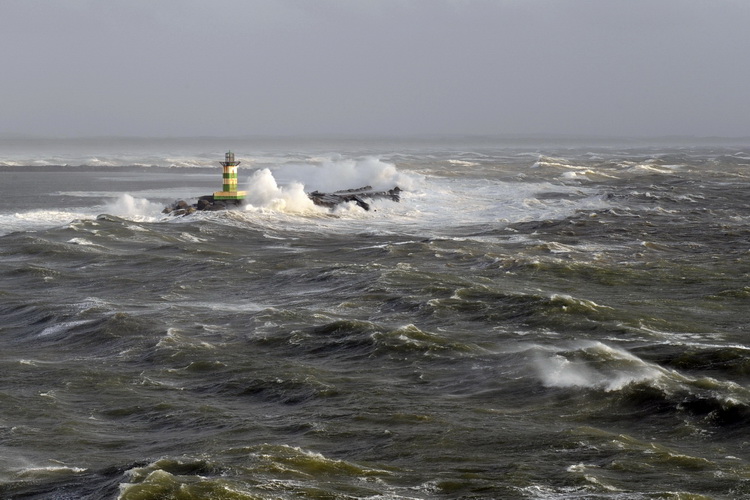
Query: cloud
[[235, 67]]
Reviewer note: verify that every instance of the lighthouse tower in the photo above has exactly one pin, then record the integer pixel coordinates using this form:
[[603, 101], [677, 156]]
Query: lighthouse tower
[[229, 186]]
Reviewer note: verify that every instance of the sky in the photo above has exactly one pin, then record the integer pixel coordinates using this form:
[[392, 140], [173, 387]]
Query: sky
[[177, 68]]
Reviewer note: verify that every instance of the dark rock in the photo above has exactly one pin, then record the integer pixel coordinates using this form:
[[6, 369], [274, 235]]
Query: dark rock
[[357, 195]]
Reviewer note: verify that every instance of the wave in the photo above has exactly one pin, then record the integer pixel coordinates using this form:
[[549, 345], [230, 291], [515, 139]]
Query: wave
[[334, 173], [429, 202], [650, 167], [255, 471], [595, 365], [38, 220], [464, 163], [138, 209], [124, 205], [642, 387], [284, 189], [559, 163], [263, 192]]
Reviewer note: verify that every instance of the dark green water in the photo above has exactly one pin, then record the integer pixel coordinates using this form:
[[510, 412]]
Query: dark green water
[[524, 324]]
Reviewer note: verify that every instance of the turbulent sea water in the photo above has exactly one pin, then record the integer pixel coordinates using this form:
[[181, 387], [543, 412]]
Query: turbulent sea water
[[532, 321]]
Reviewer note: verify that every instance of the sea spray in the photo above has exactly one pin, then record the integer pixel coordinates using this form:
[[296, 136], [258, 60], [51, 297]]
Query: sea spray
[[333, 174], [129, 206], [286, 189], [264, 192], [594, 365]]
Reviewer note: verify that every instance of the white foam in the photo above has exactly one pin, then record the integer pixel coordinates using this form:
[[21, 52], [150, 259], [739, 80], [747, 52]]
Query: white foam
[[264, 192], [124, 205], [559, 163], [285, 188], [192, 239], [37, 220], [86, 243], [133, 208], [331, 174], [61, 327], [618, 368], [661, 169], [52, 470], [432, 205], [463, 163]]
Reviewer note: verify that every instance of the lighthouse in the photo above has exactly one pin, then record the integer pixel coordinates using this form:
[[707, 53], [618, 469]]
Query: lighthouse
[[229, 184]]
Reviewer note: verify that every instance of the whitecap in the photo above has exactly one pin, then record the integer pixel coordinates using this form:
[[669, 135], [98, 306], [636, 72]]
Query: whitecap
[[126, 205], [610, 369]]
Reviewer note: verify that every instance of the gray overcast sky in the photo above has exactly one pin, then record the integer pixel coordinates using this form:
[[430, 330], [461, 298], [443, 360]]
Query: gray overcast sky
[[388, 67]]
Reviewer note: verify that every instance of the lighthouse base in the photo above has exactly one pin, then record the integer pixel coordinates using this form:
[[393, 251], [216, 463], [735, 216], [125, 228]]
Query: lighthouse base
[[230, 195], [208, 203]]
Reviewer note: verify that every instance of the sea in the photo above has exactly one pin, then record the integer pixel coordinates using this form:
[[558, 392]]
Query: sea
[[536, 318]]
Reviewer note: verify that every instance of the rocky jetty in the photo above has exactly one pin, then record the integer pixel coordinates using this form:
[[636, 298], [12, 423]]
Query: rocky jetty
[[329, 200], [207, 203], [358, 196]]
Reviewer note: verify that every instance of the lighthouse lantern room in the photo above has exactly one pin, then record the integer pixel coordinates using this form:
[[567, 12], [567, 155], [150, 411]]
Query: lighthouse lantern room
[[229, 184]]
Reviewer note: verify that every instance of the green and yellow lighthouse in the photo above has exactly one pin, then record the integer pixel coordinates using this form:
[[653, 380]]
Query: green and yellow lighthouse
[[229, 186]]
